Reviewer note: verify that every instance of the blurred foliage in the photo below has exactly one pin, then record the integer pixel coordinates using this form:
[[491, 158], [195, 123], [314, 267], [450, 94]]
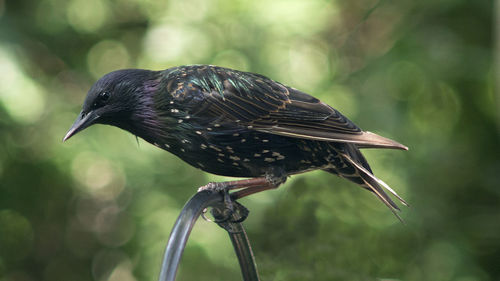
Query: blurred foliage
[[101, 207]]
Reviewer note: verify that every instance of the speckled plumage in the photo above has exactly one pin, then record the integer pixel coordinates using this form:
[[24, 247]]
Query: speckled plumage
[[234, 123]]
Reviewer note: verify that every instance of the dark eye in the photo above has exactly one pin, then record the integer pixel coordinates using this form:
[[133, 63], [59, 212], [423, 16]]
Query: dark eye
[[102, 98]]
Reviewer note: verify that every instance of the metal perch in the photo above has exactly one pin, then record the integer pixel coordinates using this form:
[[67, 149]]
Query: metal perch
[[232, 224]]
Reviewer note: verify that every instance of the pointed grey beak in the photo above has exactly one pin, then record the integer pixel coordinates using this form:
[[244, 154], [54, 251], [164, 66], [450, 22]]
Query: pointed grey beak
[[82, 121]]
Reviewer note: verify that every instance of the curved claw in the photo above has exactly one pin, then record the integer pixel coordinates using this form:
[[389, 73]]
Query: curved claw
[[230, 212], [204, 217], [226, 217], [242, 212]]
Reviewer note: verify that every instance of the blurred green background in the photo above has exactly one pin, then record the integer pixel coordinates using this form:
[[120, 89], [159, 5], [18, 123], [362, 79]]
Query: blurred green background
[[101, 206]]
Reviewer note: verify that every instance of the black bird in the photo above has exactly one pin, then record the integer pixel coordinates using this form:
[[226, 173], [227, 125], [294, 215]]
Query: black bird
[[234, 123]]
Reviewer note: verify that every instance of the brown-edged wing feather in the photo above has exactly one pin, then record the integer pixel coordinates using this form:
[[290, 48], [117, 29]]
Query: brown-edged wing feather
[[329, 124], [262, 104]]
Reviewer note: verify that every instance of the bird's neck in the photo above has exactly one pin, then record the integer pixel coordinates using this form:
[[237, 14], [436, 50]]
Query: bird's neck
[[146, 120]]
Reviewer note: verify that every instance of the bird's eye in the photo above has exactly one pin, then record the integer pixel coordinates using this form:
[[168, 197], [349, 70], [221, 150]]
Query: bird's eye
[[102, 98]]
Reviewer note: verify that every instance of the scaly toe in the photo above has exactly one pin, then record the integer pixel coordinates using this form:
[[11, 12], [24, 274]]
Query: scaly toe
[[213, 186]]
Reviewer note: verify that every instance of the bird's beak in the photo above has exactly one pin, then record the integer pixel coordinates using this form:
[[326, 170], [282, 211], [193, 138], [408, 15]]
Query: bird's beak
[[82, 121]]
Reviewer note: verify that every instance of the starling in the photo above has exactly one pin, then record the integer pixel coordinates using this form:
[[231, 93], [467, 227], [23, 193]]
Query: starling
[[236, 124]]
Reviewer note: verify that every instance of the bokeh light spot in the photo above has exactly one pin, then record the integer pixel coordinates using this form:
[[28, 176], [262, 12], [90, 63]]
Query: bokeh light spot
[[294, 15], [441, 105], [98, 175], [231, 59], [87, 15], [114, 227], [342, 98], [107, 56], [170, 43], [123, 272], [406, 79], [194, 10], [276, 55], [308, 64], [23, 98]]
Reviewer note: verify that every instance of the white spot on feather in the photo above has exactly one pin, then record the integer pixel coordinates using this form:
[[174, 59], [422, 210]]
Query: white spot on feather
[[215, 148]]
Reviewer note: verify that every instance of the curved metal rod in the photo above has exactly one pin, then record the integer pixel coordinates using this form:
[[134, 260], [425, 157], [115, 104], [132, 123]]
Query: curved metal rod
[[185, 223], [245, 255]]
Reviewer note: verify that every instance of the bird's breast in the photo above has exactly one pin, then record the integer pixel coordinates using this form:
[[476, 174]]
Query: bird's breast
[[240, 152]]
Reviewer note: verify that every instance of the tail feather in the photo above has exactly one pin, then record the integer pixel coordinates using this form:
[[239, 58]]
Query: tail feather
[[364, 176], [357, 156]]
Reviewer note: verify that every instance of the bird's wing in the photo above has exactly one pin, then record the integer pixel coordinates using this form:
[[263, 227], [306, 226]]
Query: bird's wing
[[309, 118], [264, 105]]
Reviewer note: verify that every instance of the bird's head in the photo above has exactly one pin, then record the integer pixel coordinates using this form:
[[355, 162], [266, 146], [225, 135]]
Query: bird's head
[[112, 99]]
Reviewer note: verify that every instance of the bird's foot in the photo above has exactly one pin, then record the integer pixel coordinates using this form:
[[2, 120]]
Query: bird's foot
[[247, 187], [226, 218], [232, 212]]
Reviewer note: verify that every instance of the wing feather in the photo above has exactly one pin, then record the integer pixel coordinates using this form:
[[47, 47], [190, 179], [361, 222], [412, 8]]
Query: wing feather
[[268, 106]]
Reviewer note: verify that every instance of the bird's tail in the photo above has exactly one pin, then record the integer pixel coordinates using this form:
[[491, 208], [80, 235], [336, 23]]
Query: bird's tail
[[356, 169]]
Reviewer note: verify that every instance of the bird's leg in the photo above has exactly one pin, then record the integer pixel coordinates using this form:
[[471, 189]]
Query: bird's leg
[[266, 183], [254, 185], [230, 185], [248, 187], [225, 187]]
